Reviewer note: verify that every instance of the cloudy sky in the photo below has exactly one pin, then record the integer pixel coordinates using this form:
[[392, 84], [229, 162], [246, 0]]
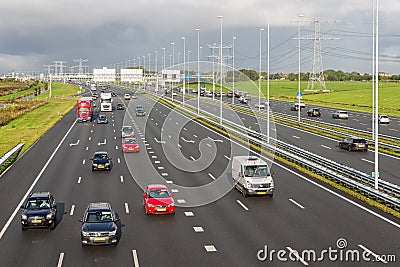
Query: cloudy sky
[[37, 32]]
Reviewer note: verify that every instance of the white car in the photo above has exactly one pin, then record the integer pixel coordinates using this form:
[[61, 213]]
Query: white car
[[127, 97], [243, 100], [340, 114], [383, 119], [262, 105]]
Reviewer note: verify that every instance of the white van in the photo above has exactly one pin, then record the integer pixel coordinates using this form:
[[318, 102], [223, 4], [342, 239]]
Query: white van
[[252, 176]]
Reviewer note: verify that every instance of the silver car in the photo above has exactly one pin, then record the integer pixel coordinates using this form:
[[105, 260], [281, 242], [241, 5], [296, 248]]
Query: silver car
[[127, 131]]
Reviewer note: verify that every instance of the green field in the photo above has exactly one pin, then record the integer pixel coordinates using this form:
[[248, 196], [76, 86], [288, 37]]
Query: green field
[[32, 125], [346, 95]]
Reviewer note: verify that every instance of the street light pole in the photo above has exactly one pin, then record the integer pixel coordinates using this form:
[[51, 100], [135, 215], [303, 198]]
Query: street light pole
[[198, 70], [163, 58], [267, 107], [173, 64], [299, 78], [144, 72], [233, 70], [376, 171], [259, 73], [220, 88], [155, 72], [184, 70]]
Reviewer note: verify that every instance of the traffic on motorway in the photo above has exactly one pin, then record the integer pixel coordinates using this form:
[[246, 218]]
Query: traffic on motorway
[[144, 184]]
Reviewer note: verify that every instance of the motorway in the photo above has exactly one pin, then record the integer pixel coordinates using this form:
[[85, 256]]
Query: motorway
[[303, 214], [323, 146]]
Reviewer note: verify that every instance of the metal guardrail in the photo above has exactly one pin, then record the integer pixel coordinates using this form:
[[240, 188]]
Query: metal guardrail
[[387, 191], [7, 156], [288, 117]]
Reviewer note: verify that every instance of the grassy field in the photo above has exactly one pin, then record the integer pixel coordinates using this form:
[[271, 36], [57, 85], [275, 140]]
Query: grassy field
[[60, 90], [32, 125], [346, 95]]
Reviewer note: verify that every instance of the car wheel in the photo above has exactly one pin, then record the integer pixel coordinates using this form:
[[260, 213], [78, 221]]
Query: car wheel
[[349, 148], [52, 226], [23, 229]]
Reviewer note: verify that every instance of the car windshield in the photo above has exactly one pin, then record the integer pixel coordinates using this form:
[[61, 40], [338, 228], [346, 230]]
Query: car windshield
[[256, 171], [83, 109], [130, 141], [100, 157], [358, 140], [343, 112], [38, 203], [159, 193], [102, 117], [99, 217]]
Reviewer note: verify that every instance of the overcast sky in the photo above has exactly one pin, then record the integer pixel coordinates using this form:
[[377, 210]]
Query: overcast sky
[[37, 32]]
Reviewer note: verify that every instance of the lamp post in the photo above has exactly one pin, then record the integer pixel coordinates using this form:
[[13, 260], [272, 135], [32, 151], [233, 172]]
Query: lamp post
[[184, 70], [220, 55], [155, 72], [163, 58], [267, 107], [233, 69], [198, 70], [299, 78], [144, 72], [173, 64], [259, 75], [376, 144], [179, 57]]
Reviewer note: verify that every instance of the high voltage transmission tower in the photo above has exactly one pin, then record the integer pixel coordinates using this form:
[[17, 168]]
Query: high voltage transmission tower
[[80, 66], [221, 59], [316, 79], [59, 67]]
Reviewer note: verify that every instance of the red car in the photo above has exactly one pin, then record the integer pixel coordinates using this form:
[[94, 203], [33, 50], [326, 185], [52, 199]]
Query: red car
[[130, 144], [158, 200]]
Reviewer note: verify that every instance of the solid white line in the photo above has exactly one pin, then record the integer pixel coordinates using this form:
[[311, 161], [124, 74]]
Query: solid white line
[[212, 177], [241, 204], [60, 259], [296, 254], [121, 178], [5, 227], [377, 257], [135, 258], [326, 147], [126, 208], [296, 203], [72, 210], [79, 179], [228, 158]]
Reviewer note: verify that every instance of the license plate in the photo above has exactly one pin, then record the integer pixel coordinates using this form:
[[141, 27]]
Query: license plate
[[99, 239], [261, 193], [361, 145], [101, 166], [36, 221], [161, 209]]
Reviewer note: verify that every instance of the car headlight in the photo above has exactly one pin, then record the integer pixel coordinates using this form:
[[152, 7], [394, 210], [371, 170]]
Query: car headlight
[[107, 164], [171, 205], [49, 216], [150, 205], [24, 217], [94, 164], [113, 232], [85, 233]]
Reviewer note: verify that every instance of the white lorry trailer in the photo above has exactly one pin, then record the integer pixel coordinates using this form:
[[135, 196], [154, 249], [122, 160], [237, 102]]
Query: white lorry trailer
[[252, 176]]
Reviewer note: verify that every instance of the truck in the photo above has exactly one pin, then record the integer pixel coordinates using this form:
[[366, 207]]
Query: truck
[[105, 102], [251, 176], [84, 109]]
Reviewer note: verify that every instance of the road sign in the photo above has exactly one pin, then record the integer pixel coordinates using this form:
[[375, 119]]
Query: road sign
[[299, 95]]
